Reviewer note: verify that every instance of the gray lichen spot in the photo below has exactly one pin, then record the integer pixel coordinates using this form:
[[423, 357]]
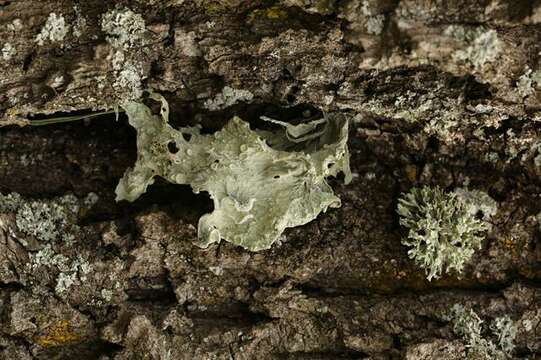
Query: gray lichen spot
[[486, 48], [258, 189], [124, 27], [130, 79], [8, 51], [375, 22], [505, 330], [106, 295], [46, 220], [80, 22], [54, 30], [187, 43], [9, 202], [469, 325], [477, 203], [443, 230], [528, 82], [229, 96], [47, 257], [75, 274], [64, 282], [15, 25]]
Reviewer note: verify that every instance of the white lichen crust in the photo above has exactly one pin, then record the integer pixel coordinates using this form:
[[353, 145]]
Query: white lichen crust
[[258, 190], [443, 231]]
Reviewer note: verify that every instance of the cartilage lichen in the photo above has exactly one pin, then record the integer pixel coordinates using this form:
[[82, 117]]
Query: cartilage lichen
[[258, 190], [443, 230]]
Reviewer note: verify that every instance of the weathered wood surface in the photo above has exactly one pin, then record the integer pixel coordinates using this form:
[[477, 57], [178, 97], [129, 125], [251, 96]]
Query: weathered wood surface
[[439, 93]]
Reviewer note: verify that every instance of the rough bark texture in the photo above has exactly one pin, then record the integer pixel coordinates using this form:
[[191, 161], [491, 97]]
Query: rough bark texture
[[439, 93]]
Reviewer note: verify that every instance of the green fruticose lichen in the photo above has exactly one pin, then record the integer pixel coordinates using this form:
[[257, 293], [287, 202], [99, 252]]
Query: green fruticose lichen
[[469, 325], [261, 182], [444, 230]]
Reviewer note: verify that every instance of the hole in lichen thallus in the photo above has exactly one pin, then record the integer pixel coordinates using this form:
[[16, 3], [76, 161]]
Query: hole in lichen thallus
[[172, 147], [187, 136]]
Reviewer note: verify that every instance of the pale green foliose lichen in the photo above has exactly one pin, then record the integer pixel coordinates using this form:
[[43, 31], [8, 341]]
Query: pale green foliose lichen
[[444, 231], [258, 189]]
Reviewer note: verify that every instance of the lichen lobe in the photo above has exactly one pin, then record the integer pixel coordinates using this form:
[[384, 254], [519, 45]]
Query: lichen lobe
[[258, 190]]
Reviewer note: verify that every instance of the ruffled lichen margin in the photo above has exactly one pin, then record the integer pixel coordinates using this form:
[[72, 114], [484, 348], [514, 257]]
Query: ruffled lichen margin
[[261, 182]]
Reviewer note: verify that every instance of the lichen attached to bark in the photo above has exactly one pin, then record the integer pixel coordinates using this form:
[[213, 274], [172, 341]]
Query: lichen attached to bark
[[258, 190]]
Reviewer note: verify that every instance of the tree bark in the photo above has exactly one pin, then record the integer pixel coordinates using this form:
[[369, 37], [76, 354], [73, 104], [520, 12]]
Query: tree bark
[[437, 93]]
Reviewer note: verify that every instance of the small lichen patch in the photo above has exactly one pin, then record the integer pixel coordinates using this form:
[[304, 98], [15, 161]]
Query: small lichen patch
[[8, 51], [64, 282], [486, 48], [54, 30], [375, 22], [106, 295], [60, 333], [129, 80], [124, 27], [258, 190], [229, 96], [46, 220], [469, 325], [15, 25], [443, 232], [505, 330], [80, 22], [477, 203], [528, 82], [47, 257], [187, 43], [9, 202]]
